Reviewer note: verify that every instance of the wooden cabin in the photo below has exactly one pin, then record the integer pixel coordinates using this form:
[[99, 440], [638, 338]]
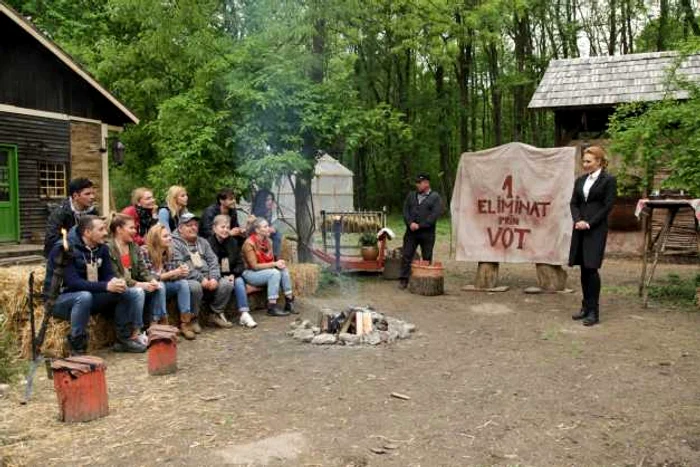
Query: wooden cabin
[[583, 94], [56, 123]]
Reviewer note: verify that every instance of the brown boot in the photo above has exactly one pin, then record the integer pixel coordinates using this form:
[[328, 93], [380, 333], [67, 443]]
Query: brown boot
[[162, 320], [186, 326]]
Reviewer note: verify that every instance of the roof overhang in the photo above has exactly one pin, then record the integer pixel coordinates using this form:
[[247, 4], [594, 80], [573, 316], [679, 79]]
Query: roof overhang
[[64, 57]]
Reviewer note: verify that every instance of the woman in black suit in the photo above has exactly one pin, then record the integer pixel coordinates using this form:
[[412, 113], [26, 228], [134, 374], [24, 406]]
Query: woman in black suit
[[591, 202]]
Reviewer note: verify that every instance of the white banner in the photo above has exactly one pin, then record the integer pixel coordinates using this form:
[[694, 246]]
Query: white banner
[[511, 204]]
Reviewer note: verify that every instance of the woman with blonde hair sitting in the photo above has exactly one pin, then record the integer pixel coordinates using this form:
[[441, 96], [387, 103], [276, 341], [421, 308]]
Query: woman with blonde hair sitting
[[158, 257], [143, 210], [175, 206]]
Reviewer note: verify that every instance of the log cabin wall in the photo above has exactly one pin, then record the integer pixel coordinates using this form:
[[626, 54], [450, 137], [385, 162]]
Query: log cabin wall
[[85, 154], [38, 140]]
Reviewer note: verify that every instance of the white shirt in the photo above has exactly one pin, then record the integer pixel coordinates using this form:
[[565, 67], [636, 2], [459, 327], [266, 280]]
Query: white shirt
[[589, 183]]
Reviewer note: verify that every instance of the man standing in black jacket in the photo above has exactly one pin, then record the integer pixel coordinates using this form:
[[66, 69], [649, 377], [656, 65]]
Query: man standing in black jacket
[[420, 213], [80, 202]]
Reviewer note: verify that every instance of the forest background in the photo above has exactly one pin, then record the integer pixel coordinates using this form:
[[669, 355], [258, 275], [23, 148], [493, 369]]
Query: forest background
[[230, 91]]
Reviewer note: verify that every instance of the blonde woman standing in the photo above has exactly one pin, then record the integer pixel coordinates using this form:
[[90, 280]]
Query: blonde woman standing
[[176, 205], [591, 202]]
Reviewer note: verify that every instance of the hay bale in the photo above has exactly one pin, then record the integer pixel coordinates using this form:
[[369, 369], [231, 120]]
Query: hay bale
[[288, 252], [304, 278], [14, 298]]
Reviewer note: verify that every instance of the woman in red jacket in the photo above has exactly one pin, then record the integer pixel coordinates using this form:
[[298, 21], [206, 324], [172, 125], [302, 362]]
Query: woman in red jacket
[[143, 210]]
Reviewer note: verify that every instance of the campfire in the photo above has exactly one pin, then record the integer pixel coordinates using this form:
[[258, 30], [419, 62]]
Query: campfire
[[352, 326]]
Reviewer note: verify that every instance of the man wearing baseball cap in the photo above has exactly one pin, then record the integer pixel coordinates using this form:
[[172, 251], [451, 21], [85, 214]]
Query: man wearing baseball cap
[[204, 275], [420, 213]]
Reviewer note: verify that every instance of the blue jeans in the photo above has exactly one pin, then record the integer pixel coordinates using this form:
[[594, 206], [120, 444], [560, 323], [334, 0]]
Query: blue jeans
[[239, 292], [181, 290], [156, 301], [77, 307], [272, 278]]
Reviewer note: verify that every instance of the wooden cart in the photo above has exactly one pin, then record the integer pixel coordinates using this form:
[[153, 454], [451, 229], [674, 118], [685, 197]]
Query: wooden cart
[[335, 225]]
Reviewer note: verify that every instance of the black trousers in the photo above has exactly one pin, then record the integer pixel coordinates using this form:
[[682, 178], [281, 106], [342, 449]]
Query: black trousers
[[411, 241], [590, 284]]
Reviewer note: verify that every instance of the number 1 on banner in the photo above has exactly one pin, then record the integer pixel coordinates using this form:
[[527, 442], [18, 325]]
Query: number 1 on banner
[[508, 186]]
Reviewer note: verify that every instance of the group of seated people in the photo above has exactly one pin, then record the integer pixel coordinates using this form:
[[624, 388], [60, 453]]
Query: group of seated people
[[136, 260]]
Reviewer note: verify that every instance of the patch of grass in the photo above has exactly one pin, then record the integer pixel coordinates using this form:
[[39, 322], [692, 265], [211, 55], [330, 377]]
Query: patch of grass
[[625, 290], [675, 289], [549, 335]]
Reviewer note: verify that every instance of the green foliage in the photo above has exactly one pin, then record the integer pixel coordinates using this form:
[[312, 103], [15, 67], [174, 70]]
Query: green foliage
[[677, 290], [664, 134], [236, 92], [367, 239]]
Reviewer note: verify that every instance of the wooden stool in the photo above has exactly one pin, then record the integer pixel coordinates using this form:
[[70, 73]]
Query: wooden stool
[[427, 279], [81, 388], [162, 350]]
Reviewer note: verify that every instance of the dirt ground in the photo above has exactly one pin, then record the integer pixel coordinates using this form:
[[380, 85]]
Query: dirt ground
[[494, 379]]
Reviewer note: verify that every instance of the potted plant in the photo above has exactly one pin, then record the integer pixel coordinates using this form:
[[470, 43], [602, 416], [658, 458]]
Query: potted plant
[[368, 246]]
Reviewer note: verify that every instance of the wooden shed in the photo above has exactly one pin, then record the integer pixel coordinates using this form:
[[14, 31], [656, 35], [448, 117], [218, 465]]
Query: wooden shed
[[56, 122], [584, 92]]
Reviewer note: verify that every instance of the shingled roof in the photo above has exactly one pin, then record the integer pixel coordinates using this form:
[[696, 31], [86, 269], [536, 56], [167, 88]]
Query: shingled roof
[[607, 80]]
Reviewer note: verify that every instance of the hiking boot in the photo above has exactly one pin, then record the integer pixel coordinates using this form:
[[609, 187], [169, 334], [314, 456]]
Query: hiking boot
[[220, 320], [247, 320], [129, 346], [196, 328], [162, 320], [76, 345], [289, 306], [274, 310], [186, 326]]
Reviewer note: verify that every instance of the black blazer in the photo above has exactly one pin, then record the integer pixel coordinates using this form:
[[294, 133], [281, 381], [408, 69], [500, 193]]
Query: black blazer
[[588, 246]]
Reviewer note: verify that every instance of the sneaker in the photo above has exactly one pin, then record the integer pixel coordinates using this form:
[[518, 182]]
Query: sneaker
[[196, 328], [274, 310], [220, 320], [247, 320], [142, 338], [289, 306], [129, 346]]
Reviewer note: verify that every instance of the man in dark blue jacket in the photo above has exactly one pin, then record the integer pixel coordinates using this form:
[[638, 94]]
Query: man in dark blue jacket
[[226, 205], [80, 202], [89, 286], [420, 213]]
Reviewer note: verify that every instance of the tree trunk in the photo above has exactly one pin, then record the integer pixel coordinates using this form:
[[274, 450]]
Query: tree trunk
[[613, 28], [550, 277], [689, 14], [463, 72], [663, 26], [302, 188], [496, 107], [443, 133], [486, 276]]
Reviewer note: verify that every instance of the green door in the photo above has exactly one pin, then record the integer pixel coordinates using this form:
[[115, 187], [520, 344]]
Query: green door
[[9, 194]]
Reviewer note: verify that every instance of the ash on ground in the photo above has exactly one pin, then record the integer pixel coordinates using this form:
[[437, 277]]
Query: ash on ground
[[352, 326]]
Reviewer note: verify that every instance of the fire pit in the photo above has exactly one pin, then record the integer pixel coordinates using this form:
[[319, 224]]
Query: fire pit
[[352, 326]]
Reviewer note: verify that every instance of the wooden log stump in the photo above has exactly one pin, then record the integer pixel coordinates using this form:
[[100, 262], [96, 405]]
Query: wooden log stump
[[551, 278], [81, 388], [427, 279], [487, 276]]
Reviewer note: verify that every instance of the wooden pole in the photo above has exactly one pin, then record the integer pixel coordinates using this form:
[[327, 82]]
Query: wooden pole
[[487, 275]]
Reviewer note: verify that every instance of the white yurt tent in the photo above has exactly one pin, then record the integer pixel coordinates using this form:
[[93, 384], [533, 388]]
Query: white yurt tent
[[331, 190]]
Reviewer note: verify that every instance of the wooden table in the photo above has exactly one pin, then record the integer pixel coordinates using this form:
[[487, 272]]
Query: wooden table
[[655, 245]]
